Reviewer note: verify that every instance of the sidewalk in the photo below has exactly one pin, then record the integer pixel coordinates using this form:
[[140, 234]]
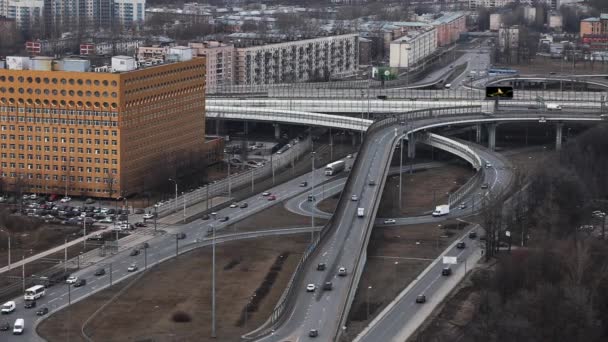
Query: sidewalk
[[53, 250]]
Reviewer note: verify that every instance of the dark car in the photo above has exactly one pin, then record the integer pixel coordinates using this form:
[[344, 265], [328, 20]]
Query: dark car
[[80, 282], [224, 219], [206, 217], [5, 326], [421, 299], [111, 212], [446, 271], [180, 236], [313, 333], [30, 304], [42, 311], [134, 252], [327, 286], [461, 245], [100, 272], [140, 224], [321, 267], [244, 205], [472, 235]]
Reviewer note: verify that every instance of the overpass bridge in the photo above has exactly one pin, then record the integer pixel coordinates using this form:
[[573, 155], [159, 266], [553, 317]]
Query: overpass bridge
[[343, 241]]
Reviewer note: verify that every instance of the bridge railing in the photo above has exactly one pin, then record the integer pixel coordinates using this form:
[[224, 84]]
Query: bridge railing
[[238, 179]]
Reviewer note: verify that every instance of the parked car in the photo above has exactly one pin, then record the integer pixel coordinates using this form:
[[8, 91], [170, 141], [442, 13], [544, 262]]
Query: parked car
[[140, 225], [139, 211], [5, 326], [65, 199], [148, 216]]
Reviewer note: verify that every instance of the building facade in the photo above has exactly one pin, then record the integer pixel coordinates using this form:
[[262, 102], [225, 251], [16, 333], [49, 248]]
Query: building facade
[[298, 61], [129, 13], [98, 134], [28, 14], [449, 27], [220, 62], [408, 50]]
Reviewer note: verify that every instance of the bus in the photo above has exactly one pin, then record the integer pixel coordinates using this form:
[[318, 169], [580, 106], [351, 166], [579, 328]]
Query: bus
[[34, 292], [335, 167], [501, 72]]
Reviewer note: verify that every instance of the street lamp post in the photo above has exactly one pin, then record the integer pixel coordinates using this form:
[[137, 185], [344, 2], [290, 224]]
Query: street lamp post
[[9, 247], [312, 212], [174, 181], [369, 288], [213, 335], [155, 215], [184, 196]]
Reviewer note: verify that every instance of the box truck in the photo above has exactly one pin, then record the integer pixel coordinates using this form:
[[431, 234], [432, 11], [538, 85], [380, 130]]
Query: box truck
[[360, 212], [554, 106], [441, 210]]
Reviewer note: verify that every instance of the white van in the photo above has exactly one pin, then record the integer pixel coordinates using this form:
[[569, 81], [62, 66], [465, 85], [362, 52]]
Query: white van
[[8, 307], [448, 85], [19, 326]]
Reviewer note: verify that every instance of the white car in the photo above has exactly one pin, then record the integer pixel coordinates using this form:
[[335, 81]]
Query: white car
[[71, 279], [8, 307], [103, 210], [354, 198], [33, 196], [234, 205], [310, 288], [488, 165], [132, 268], [462, 206], [349, 156], [342, 271], [66, 199], [265, 193], [389, 221], [148, 216]]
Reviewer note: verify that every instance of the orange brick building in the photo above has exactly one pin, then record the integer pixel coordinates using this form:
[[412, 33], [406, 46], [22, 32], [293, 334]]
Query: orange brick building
[[98, 134]]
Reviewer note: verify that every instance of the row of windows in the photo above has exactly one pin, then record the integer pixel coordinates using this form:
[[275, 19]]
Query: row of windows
[[63, 140], [167, 95], [9, 109], [86, 150], [54, 80], [63, 178], [58, 168], [55, 103], [164, 74], [60, 121], [62, 130], [56, 92], [47, 189], [162, 84], [47, 157]]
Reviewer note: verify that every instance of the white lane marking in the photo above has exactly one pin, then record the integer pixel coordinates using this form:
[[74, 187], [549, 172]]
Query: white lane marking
[[54, 299]]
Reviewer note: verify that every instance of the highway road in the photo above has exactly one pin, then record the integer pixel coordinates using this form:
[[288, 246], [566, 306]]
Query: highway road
[[160, 248], [402, 319], [345, 241]]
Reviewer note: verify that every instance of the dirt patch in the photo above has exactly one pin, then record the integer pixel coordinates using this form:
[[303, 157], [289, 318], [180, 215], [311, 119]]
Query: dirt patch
[[329, 205], [422, 190], [396, 256], [144, 312], [272, 218]]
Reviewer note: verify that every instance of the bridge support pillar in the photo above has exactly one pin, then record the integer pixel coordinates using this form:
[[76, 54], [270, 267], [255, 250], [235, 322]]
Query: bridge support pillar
[[492, 136], [558, 136], [353, 138], [277, 131], [478, 133], [411, 146]]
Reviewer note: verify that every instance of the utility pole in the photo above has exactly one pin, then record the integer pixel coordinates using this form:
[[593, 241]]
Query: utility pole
[[23, 271], [312, 211], [213, 335], [184, 196], [155, 215], [400, 174], [174, 181]]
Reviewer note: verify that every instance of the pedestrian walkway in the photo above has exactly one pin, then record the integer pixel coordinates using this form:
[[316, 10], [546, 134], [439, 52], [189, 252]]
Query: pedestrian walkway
[[51, 251]]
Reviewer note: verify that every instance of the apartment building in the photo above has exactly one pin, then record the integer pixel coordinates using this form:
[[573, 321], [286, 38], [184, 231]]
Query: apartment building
[[594, 32], [129, 12], [101, 132], [449, 27], [416, 45], [319, 59], [27, 13], [220, 62]]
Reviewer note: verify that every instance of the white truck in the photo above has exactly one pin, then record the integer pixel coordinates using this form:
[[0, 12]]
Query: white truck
[[441, 210], [360, 212], [553, 106]]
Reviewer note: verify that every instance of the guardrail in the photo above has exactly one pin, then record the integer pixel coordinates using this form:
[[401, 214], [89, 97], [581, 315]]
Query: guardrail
[[234, 181]]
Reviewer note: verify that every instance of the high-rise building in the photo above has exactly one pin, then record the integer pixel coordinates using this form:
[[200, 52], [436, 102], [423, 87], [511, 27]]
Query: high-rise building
[[100, 133], [28, 14], [220, 63], [129, 12]]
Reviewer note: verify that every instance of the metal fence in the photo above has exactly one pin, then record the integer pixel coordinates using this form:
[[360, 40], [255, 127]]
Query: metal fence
[[236, 180]]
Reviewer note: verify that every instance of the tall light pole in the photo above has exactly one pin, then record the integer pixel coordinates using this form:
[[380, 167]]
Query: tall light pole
[[367, 301], [155, 215], [312, 211], [400, 173], [213, 283], [174, 181], [9, 247], [184, 196]]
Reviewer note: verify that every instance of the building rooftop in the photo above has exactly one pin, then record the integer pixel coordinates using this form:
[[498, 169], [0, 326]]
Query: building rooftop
[[447, 18]]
